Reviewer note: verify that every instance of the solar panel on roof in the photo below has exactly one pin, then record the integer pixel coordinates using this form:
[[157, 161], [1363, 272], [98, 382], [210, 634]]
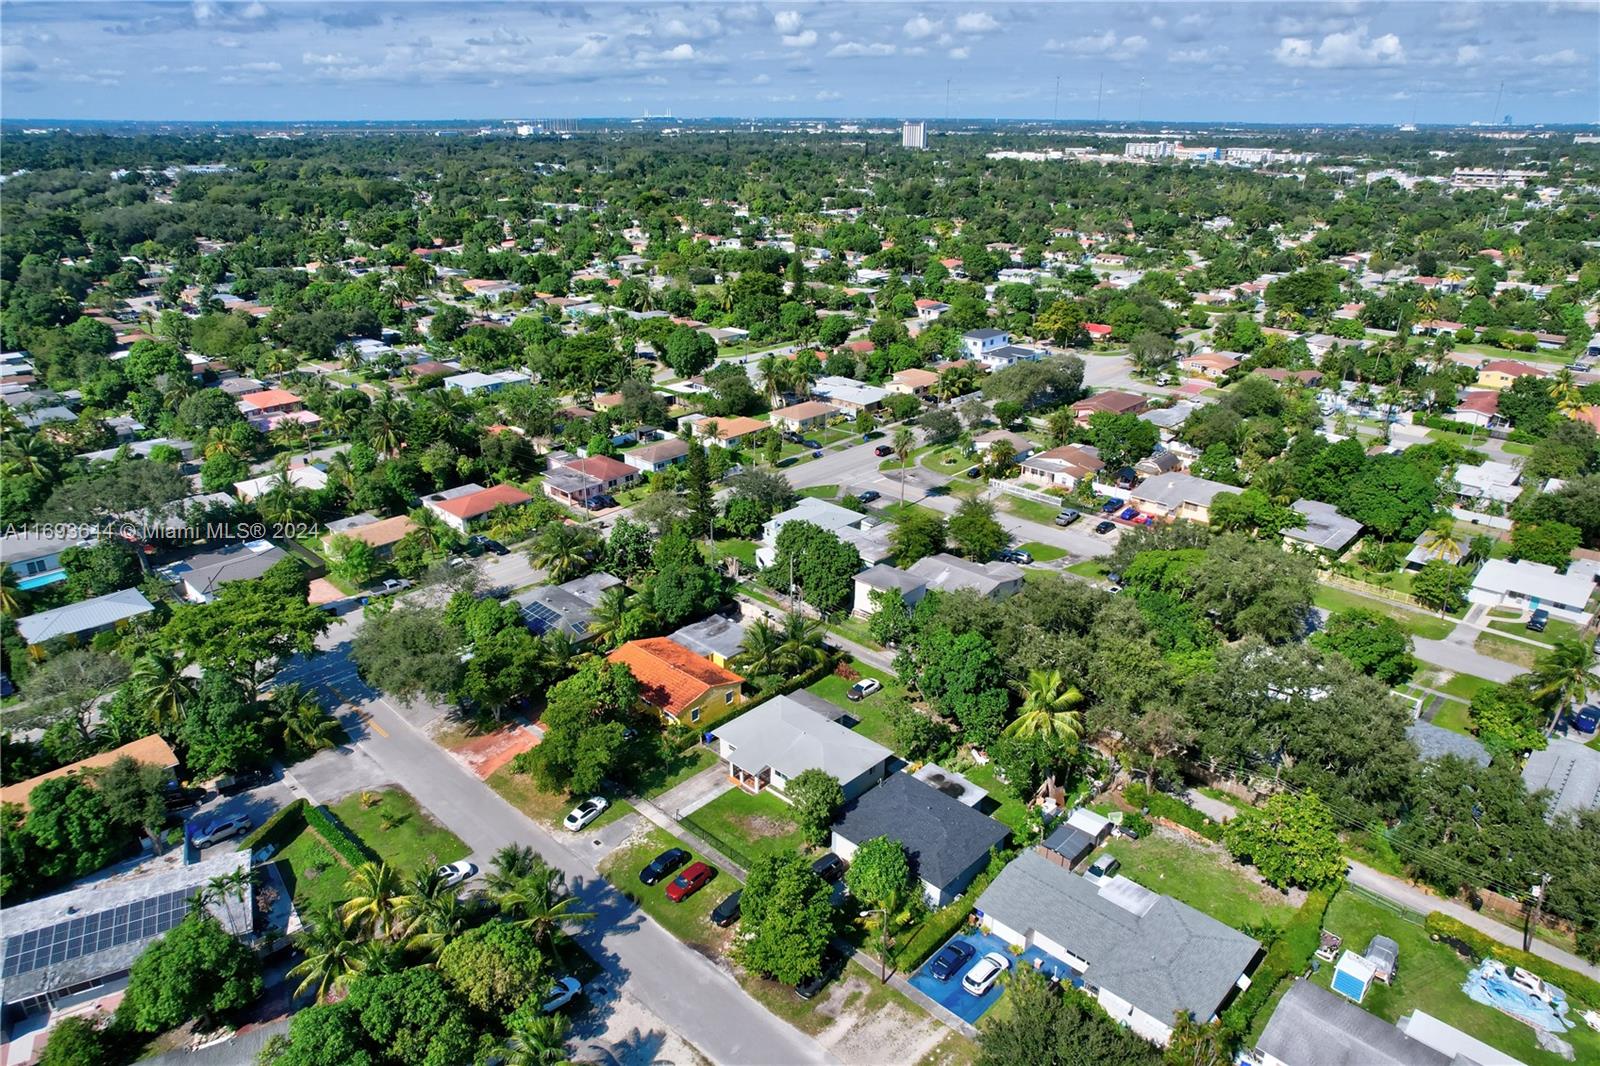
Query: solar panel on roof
[[86, 934], [540, 618]]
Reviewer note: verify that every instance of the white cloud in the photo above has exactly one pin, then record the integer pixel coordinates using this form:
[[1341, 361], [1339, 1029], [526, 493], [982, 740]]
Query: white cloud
[[804, 39], [262, 68], [701, 28], [681, 53], [1351, 48], [960, 53], [256, 10], [1131, 46], [977, 22], [761, 79], [919, 26], [787, 21], [829, 94], [1468, 54], [1564, 58], [856, 48]]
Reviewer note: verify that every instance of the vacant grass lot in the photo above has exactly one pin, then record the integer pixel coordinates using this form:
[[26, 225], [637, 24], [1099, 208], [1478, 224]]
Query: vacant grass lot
[[1427, 626], [1507, 650], [1093, 569], [1429, 979], [746, 826], [1033, 510], [1203, 876], [399, 830], [549, 808], [689, 921], [742, 550]]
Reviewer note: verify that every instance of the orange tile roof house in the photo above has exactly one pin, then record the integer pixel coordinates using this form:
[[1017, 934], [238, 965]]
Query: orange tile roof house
[[1112, 401], [463, 508], [1209, 364], [675, 681], [1502, 373], [610, 472], [150, 751], [731, 430], [802, 416], [269, 402]]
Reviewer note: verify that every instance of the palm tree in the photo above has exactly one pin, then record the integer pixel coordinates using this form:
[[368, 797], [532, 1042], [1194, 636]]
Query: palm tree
[[300, 716], [431, 530], [761, 652], [539, 1040], [1565, 391], [12, 598], [540, 902], [1048, 704], [376, 899], [905, 441], [431, 913], [1442, 539], [163, 688], [771, 371], [607, 618], [26, 455], [385, 420], [510, 864], [220, 442], [563, 550], [333, 958], [1564, 675], [802, 642], [283, 503]]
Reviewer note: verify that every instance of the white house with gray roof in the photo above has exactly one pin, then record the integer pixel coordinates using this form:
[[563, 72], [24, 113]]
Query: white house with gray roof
[[78, 620], [1571, 771], [1314, 1027], [1143, 956], [767, 746], [1325, 529]]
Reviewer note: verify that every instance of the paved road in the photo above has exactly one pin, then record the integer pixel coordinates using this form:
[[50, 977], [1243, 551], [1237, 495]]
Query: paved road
[[1078, 540]]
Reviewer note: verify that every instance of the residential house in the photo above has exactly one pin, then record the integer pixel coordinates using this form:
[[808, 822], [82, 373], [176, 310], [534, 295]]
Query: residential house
[[729, 432], [1075, 838], [719, 638], [804, 417], [460, 508], [1213, 365], [1312, 1026], [473, 382], [1144, 957], [914, 382], [1571, 773], [1097, 331], [1490, 482], [1500, 374], [678, 684], [947, 842], [147, 751], [870, 537], [613, 475], [76, 621], [201, 576], [379, 534], [1479, 407], [1112, 401], [1021, 447], [849, 394], [654, 458], [567, 608], [1161, 461], [1169, 420], [1530, 586], [1309, 378], [140, 449], [301, 478], [35, 556], [267, 402], [1065, 467], [978, 342], [1174, 496], [930, 310], [769, 746], [1436, 742], [1325, 529], [936, 573], [1008, 355], [882, 578]]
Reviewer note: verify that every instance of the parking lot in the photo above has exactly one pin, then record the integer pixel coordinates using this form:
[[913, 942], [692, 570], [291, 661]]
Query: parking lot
[[963, 1004]]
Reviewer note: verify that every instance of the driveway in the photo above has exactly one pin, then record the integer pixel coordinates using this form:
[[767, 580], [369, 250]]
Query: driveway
[[689, 796]]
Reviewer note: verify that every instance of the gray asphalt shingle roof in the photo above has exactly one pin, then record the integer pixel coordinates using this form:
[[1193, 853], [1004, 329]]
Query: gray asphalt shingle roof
[[942, 836], [1314, 1027], [1435, 742]]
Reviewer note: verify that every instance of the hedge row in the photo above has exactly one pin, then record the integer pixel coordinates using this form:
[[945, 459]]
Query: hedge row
[[1161, 805], [337, 837], [1286, 959], [1575, 984], [278, 829]]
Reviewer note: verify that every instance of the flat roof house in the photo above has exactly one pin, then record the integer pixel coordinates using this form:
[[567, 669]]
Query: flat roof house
[[1530, 586], [1112, 401], [1325, 529], [719, 638], [1488, 481], [1062, 467], [1143, 956], [654, 458], [947, 842], [1173, 496], [799, 417], [304, 478], [83, 619], [201, 576], [566, 608], [677, 683], [459, 512], [768, 746], [473, 382], [848, 393]]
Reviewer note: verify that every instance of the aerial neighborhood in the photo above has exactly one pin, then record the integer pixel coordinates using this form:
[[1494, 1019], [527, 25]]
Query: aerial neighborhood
[[803, 593]]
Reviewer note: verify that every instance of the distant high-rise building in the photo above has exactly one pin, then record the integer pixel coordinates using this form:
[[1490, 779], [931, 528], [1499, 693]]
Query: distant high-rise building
[[914, 135]]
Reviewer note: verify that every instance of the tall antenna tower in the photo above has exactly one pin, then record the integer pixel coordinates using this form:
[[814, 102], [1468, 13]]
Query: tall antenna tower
[[1055, 108], [1494, 116], [1100, 96]]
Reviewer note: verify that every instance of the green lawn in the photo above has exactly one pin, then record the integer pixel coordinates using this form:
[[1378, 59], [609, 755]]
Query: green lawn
[[1093, 569], [659, 769], [945, 460], [1507, 650], [1454, 716], [1555, 630], [1427, 626], [524, 793], [1464, 686], [868, 713], [742, 550], [1043, 553], [1032, 510], [311, 872], [745, 826], [399, 830], [689, 921], [897, 510], [1011, 811], [820, 492], [1203, 876], [1429, 979]]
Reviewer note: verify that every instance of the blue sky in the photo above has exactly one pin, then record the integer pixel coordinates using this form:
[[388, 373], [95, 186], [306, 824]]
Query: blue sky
[[1257, 61]]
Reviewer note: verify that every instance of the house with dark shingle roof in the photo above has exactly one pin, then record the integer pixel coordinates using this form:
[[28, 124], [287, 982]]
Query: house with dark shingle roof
[[1143, 956], [947, 842]]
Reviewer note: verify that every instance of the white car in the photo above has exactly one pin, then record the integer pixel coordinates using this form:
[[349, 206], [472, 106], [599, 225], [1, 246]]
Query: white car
[[456, 872], [585, 812], [565, 991], [985, 973], [862, 689], [1102, 870]]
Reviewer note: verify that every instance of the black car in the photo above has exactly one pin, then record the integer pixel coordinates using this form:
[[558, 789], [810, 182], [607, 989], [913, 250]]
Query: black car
[[809, 443], [830, 867], [868, 496], [662, 865], [882, 450], [1105, 527], [493, 547], [1538, 620], [726, 912], [832, 963], [950, 959], [243, 781], [181, 799]]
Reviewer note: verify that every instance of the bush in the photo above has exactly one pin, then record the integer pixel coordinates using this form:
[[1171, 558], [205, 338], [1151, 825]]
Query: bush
[[1136, 823], [337, 837], [1161, 805], [279, 829], [1285, 960], [1576, 985]]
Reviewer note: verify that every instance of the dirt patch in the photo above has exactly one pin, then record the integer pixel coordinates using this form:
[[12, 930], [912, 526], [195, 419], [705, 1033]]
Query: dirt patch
[[762, 825], [321, 591], [866, 1029], [485, 754], [618, 1030]]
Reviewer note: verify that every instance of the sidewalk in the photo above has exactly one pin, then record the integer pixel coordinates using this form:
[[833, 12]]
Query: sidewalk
[[664, 821]]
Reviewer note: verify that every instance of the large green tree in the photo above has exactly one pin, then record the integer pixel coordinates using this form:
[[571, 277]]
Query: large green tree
[[787, 918], [196, 970], [1290, 839]]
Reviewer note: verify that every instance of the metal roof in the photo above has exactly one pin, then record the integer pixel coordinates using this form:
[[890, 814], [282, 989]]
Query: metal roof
[[96, 613]]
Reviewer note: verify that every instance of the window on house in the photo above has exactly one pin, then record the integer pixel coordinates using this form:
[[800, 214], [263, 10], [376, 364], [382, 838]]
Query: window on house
[[727, 697], [694, 715]]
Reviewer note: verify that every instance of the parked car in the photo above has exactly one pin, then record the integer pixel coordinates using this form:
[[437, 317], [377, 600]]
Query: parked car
[[243, 781], [868, 496], [1538, 620], [982, 977], [950, 959], [584, 813], [181, 799], [1110, 506], [793, 438], [1102, 869], [493, 547], [1129, 514], [692, 880], [220, 830], [662, 865], [1587, 719], [832, 963], [1015, 555], [456, 872], [830, 867], [862, 689], [1114, 578], [974, 471], [809, 443], [1067, 517], [882, 450], [726, 912], [565, 990], [1105, 527]]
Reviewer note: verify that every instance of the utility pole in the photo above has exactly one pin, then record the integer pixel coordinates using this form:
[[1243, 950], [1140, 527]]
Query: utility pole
[[1055, 108], [1533, 916]]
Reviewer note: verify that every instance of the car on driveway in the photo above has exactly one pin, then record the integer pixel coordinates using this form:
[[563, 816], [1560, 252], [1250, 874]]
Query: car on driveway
[[564, 991], [585, 812], [243, 781], [1102, 869], [662, 865], [832, 963], [1067, 517], [950, 959], [493, 547], [830, 867], [726, 912], [1538, 620], [454, 873], [1110, 506], [974, 471], [1105, 527], [982, 977], [882, 450], [391, 586], [692, 880], [221, 829], [809, 443], [862, 689], [1014, 555], [868, 496], [1129, 514]]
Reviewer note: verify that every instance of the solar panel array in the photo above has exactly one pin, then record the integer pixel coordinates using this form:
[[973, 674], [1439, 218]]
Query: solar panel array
[[89, 933], [539, 618]]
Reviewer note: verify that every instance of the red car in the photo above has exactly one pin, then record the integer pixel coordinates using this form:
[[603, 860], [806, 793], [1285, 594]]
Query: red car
[[689, 882]]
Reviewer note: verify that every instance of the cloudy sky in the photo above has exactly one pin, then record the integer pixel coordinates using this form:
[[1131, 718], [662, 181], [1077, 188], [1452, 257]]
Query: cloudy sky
[[1257, 61]]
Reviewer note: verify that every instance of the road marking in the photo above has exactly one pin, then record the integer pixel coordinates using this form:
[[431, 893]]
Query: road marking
[[373, 722]]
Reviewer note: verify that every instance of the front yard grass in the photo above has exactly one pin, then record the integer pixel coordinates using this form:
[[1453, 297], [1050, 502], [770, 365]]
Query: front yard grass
[[1429, 979], [1203, 876], [312, 873], [745, 826], [690, 920], [1093, 569], [1507, 650], [549, 808], [1555, 630], [1033, 510], [1426, 626], [820, 492], [397, 828], [742, 550], [1043, 553]]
